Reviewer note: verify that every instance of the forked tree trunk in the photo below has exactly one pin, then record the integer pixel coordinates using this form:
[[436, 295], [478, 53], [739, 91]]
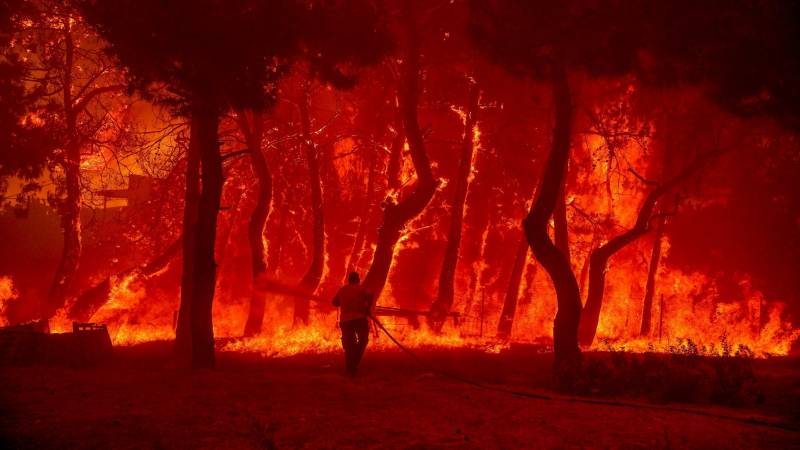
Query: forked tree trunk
[[396, 216], [183, 336], [598, 259], [512, 292], [650, 286], [253, 133], [444, 301], [598, 264], [204, 274], [313, 275], [565, 327]]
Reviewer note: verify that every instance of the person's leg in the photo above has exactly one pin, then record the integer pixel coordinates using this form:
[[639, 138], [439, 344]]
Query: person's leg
[[350, 345], [362, 333]]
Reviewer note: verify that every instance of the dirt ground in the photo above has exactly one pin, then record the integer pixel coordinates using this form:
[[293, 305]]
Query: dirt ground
[[138, 401]]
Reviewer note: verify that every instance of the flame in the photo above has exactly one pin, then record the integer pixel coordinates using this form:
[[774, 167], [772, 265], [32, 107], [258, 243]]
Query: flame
[[688, 313], [7, 295]]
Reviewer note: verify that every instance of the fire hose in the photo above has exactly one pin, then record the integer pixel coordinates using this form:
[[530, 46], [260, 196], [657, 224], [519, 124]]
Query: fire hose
[[532, 395]]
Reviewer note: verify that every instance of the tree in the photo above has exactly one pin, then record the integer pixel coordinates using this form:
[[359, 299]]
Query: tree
[[251, 124], [512, 293], [23, 143], [599, 257], [544, 41], [397, 215], [70, 86], [444, 300], [313, 275], [213, 56]]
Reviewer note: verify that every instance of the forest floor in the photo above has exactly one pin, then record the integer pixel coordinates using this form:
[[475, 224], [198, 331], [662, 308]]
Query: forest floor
[[138, 401]]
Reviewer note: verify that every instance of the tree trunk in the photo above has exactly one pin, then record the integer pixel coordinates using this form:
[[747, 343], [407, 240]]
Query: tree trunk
[[444, 301], [70, 207], [313, 276], [650, 286], [94, 298], [585, 267], [361, 232], [70, 210], [396, 152], [396, 216], [560, 225], [204, 274], [183, 336], [253, 134], [598, 259], [565, 327], [512, 293]]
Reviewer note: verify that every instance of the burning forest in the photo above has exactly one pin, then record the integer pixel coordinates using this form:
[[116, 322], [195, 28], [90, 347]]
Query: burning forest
[[570, 212]]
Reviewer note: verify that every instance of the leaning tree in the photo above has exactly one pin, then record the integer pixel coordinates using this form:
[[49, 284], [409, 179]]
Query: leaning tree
[[547, 41]]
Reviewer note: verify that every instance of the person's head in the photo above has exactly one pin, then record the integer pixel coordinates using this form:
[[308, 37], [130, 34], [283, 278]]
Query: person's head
[[353, 278]]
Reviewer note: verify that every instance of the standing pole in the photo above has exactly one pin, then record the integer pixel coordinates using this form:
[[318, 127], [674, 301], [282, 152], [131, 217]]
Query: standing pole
[[483, 298], [660, 318]]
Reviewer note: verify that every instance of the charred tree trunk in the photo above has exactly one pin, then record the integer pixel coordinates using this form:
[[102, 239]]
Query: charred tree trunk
[[183, 336], [94, 298], [650, 286], [253, 134], [204, 274], [70, 207], [396, 216], [512, 293], [444, 300], [313, 276], [565, 327]]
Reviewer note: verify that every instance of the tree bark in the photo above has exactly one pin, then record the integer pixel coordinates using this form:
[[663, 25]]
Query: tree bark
[[204, 274], [183, 336], [444, 300], [565, 327], [650, 286], [70, 210], [396, 216], [313, 275], [512, 293], [560, 225], [70, 207], [253, 134]]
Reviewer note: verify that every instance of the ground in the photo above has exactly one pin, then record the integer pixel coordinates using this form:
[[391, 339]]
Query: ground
[[139, 401]]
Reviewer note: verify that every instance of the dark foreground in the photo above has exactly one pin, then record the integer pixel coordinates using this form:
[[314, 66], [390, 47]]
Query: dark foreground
[[138, 401]]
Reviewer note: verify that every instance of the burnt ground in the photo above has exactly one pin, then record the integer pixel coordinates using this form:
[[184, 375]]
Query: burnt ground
[[138, 401]]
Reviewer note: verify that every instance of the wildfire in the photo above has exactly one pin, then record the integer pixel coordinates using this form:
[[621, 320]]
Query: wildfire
[[7, 295]]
